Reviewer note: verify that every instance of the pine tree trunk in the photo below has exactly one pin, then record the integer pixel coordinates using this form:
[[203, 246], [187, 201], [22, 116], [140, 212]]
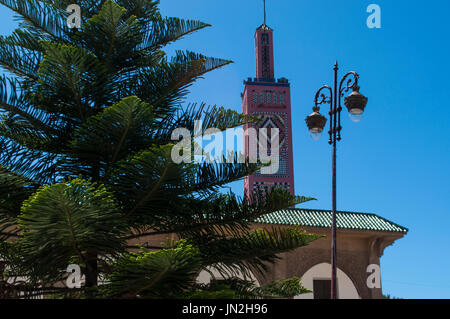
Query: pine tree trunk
[[92, 256], [91, 263], [91, 273]]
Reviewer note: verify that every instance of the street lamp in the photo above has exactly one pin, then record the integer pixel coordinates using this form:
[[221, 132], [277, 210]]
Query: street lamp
[[355, 103]]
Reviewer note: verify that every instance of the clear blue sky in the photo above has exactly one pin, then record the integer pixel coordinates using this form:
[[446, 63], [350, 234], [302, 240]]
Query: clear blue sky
[[395, 162]]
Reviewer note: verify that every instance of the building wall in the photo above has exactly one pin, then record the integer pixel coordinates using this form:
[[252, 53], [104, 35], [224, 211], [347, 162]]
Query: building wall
[[346, 287], [357, 250]]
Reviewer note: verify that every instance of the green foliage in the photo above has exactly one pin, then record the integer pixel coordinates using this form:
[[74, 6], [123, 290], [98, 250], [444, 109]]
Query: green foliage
[[14, 189], [116, 132], [390, 297], [162, 274], [70, 218], [225, 293], [288, 288], [86, 118], [253, 248], [236, 288], [216, 289]]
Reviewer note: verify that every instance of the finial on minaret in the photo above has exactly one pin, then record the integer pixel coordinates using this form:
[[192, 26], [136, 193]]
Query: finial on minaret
[[264, 25], [264, 11]]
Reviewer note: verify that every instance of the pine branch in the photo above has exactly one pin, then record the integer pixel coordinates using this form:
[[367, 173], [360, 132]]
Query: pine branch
[[34, 164], [162, 31], [253, 249], [19, 60], [71, 218], [115, 133], [39, 16], [165, 85], [161, 274]]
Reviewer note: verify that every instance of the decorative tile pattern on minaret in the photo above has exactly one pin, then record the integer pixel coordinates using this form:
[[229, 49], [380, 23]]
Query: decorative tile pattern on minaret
[[269, 99]]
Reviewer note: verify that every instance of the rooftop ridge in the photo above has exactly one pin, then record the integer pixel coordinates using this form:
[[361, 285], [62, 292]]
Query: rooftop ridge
[[349, 212], [348, 220], [329, 210]]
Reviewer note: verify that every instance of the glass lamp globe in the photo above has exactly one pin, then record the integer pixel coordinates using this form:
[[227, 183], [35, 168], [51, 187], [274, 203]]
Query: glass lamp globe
[[316, 133], [356, 115]]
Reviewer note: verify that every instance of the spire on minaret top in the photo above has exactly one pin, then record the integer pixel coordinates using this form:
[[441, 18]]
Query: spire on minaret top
[[264, 26], [264, 11]]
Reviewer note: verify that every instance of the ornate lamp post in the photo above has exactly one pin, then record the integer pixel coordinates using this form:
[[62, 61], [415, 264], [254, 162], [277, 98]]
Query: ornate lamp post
[[355, 104]]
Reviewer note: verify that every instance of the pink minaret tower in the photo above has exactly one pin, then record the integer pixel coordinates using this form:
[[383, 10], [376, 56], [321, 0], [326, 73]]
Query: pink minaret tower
[[270, 100]]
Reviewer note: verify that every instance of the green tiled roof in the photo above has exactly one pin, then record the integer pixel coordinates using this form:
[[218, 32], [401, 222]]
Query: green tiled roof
[[322, 218]]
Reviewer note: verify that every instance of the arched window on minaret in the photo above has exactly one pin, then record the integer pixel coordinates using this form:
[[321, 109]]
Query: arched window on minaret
[[282, 99], [261, 97], [255, 97], [269, 98], [275, 98]]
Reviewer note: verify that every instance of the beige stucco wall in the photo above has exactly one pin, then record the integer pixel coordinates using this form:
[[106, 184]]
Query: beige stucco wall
[[346, 288], [356, 250]]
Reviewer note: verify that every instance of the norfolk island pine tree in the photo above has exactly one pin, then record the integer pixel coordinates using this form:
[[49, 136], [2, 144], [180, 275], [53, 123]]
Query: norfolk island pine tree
[[85, 163]]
